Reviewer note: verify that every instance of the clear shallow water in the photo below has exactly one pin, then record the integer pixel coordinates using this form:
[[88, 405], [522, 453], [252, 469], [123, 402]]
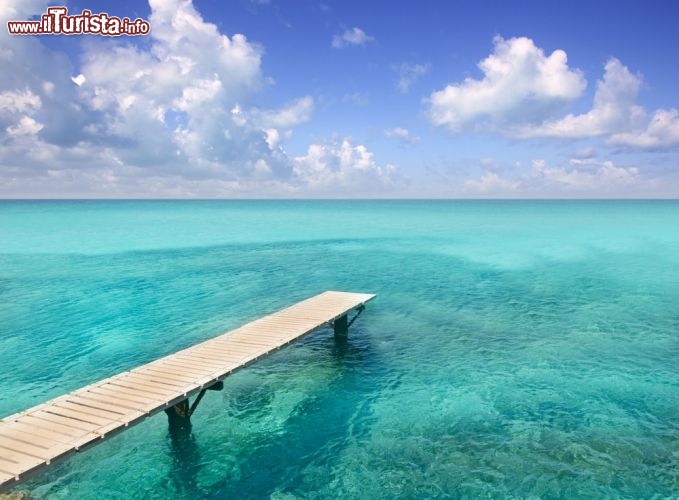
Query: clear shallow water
[[516, 349]]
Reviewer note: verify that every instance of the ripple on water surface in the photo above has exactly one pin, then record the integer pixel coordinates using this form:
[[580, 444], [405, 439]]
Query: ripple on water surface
[[516, 349]]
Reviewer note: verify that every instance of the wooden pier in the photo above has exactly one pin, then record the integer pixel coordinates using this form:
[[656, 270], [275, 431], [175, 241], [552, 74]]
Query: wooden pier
[[33, 439]]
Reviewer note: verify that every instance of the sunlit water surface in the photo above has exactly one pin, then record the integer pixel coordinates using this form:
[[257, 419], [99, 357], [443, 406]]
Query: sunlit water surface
[[515, 350]]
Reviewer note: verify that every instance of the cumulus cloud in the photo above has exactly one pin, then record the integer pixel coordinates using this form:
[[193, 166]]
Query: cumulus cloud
[[25, 126], [169, 117], [523, 90], [124, 94], [490, 183], [19, 101], [604, 176], [661, 133], [171, 103], [585, 154], [614, 109], [581, 178], [342, 167], [520, 82], [403, 134], [616, 116], [353, 36], [409, 74], [294, 114]]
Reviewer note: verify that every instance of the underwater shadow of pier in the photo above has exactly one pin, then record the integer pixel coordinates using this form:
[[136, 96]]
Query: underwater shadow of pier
[[186, 461], [323, 420]]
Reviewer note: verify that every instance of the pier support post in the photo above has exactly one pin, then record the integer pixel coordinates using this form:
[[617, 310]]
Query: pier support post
[[179, 415], [341, 326]]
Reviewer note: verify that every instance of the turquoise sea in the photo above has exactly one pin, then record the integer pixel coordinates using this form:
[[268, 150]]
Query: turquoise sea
[[516, 349]]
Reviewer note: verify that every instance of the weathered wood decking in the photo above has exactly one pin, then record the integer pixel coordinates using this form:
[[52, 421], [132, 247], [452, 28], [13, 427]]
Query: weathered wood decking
[[32, 439]]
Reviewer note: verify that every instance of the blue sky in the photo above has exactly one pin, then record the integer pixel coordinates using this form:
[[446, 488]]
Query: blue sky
[[257, 98]]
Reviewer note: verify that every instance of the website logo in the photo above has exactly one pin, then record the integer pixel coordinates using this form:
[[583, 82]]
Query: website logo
[[56, 21]]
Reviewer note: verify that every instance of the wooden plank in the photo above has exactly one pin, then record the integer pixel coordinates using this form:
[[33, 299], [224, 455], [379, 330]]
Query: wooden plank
[[269, 338], [24, 448], [187, 384], [8, 432], [77, 415], [145, 382], [229, 354], [184, 367], [220, 352], [316, 313], [88, 410], [272, 323], [226, 342], [41, 434], [257, 351], [17, 463], [132, 410], [263, 346], [122, 400], [106, 402], [126, 396], [50, 425], [252, 340], [278, 328], [159, 381], [262, 336], [167, 373], [138, 389], [77, 425], [297, 317], [203, 356], [235, 349], [242, 357], [141, 383], [213, 365], [30, 439], [6, 478]]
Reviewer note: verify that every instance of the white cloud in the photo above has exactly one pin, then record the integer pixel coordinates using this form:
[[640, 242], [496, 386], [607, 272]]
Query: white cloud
[[491, 183], [519, 83], [661, 133], [26, 126], [170, 117], [19, 101], [616, 116], [614, 109], [402, 134], [341, 168], [409, 74], [353, 36], [583, 178], [164, 108], [294, 114], [19, 10], [522, 89], [585, 153], [604, 177]]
